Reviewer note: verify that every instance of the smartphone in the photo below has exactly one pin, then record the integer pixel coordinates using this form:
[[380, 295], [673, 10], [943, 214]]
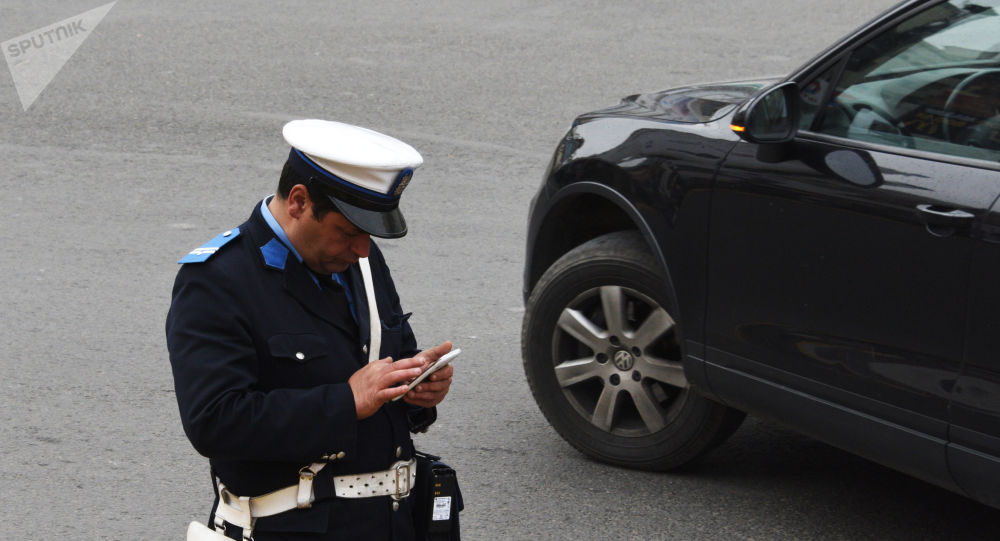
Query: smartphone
[[434, 367]]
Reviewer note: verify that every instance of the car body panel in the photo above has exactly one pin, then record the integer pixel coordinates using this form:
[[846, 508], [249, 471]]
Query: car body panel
[[823, 272], [822, 266], [688, 104], [662, 170], [817, 282], [974, 451]]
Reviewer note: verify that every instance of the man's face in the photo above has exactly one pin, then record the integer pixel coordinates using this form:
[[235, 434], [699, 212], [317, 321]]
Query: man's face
[[328, 245]]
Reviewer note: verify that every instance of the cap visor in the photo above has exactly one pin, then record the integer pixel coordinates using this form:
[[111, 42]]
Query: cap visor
[[383, 224]]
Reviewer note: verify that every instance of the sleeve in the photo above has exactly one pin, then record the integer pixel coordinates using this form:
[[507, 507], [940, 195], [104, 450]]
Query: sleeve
[[421, 418], [216, 367]]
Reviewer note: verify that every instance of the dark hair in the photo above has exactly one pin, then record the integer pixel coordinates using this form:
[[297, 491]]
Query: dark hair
[[317, 193]]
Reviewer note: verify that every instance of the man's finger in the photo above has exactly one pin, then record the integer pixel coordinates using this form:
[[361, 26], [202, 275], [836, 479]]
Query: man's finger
[[438, 381], [433, 386], [406, 363], [432, 354], [420, 399], [425, 400], [386, 395], [443, 374], [399, 375]]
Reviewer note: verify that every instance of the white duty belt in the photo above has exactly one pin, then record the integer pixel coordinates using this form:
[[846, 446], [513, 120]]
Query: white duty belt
[[396, 482], [242, 511]]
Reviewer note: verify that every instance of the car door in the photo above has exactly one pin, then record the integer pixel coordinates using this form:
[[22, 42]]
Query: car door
[[974, 452], [839, 263]]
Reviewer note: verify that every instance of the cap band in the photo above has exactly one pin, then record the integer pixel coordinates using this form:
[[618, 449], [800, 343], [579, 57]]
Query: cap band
[[344, 190]]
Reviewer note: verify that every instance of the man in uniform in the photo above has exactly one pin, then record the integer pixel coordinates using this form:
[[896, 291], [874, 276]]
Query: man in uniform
[[268, 333]]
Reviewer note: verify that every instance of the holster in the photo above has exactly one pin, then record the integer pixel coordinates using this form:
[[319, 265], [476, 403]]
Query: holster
[[436, 501]]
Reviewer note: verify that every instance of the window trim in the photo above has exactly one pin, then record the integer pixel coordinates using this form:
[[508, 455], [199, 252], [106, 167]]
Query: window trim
[[817, 137]]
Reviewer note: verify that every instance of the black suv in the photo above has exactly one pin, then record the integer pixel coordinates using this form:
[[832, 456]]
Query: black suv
[[823, 250]]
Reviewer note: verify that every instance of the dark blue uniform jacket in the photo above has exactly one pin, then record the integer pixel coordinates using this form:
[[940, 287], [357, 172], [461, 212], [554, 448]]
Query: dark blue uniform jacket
[[261, 357]]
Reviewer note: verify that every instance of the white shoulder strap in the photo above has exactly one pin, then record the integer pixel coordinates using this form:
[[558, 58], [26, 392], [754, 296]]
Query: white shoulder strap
[[375, 324]]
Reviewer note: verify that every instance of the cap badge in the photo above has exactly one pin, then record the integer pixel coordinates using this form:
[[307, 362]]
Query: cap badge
[[404, 179]]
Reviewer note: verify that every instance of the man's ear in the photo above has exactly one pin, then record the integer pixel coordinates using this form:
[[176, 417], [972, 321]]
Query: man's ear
[[298, 201]]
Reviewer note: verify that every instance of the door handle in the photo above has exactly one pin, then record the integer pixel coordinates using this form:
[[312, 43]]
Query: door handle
[[938, 215], [944, 221]]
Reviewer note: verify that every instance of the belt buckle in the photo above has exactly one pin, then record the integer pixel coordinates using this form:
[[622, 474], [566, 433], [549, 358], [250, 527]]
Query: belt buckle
[[404, 467]]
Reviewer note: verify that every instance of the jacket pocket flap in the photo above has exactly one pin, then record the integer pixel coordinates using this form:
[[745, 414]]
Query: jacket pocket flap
[[394, 322]]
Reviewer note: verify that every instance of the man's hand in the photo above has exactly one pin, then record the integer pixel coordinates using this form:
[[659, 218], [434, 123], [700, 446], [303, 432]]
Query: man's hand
[[432, 390], [375, 384]]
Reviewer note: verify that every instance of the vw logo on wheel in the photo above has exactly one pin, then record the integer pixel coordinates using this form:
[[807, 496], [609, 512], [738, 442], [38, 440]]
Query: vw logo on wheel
[[623, 360]]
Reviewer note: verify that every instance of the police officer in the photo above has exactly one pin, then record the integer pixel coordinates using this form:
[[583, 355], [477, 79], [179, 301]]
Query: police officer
[[269, 332]]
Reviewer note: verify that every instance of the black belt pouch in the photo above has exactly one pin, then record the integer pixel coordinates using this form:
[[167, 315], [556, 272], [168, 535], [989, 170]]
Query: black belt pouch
[[437, 500]]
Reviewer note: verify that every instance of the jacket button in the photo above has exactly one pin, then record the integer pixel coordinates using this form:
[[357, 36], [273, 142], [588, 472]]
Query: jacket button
[[341, 454], [300, 355], [364, 349], [395, 506], [399, 452]]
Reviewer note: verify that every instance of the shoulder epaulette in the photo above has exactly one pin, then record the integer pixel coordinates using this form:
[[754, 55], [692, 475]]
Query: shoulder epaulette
[[207, 250]]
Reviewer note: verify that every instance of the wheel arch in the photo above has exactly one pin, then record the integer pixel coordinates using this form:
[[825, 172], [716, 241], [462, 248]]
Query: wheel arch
[[578, 213]]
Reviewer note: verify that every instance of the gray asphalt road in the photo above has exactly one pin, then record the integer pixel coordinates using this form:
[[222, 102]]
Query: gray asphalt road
[[164, 129]]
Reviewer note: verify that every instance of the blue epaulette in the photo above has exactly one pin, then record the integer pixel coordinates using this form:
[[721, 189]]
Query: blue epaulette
[[207, 250]]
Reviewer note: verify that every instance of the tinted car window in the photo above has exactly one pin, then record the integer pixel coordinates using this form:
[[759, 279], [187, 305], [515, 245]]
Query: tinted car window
[[930, 83], [813, 94]]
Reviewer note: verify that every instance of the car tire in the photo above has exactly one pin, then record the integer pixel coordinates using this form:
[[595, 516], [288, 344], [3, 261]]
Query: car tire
[[616, 390]]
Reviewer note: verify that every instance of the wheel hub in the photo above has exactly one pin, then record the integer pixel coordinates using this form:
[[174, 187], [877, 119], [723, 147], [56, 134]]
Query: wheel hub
[[623, 360], [618, 362]]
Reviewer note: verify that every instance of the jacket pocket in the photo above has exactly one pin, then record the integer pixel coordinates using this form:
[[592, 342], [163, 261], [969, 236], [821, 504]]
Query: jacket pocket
[[392, 335], [297, 347]]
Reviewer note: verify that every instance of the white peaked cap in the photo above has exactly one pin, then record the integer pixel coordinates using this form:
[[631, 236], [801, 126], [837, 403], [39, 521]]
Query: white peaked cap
[[366, 171]]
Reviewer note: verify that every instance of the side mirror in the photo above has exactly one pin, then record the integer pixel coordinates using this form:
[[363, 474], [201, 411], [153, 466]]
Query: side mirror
[[770, 117]]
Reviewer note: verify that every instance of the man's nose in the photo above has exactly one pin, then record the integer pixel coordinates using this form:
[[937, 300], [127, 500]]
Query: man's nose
[[362, 244]]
